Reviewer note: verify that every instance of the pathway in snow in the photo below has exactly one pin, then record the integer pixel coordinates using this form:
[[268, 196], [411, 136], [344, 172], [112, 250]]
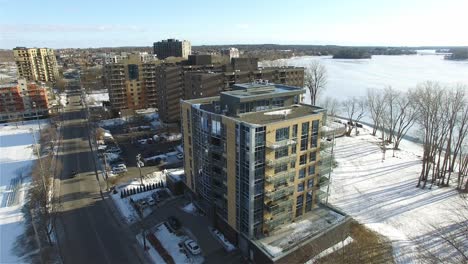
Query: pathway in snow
[[383, 194]]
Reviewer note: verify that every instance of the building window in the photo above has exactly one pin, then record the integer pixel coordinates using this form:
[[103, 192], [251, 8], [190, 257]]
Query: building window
[[312, 156], [293, 149], [282, 133], [303, 159], [315, 127], [305, 128], [282, 152], [313, 142], [311, 170], [310, 184], [294, 131], [304, 143], [302, 173], [300, 187], [293, 164], [299, 201]]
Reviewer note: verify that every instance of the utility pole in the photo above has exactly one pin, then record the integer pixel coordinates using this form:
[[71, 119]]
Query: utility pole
[[139, 164], [331, 167]]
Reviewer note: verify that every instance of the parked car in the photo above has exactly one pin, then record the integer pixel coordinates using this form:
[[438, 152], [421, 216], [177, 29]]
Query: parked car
[[102, 148], [117, 161], [192, 246], [119, 169], [151, 202], [174, 223], [120, 165], [180, 156], [115, 150]]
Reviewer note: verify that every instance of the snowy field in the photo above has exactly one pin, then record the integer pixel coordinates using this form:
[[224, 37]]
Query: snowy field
[[383, 196], [16, 159]]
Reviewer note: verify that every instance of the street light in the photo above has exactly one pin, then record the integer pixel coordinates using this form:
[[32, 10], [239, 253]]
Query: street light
[[139, 164], [37, 116]]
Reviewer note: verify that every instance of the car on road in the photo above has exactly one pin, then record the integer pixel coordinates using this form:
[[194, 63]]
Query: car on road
[[120, 166], [192, 246], [174, 223], [118, 170]]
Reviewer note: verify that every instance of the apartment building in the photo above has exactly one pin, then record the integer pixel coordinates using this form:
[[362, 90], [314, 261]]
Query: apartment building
[[23, 100], [253, 157], [131, 83], [206, 80], [172, 48], [36, 64]]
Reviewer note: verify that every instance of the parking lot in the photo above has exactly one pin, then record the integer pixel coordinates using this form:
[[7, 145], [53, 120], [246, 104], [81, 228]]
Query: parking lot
[[193, 225]]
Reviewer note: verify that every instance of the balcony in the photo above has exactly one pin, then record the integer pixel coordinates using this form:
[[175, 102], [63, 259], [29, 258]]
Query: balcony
[[322, 195], [280, 177], [325, 170], [277, 221], [280, 207], [325, 144], [281, 143], [280, 192], [282, 160]]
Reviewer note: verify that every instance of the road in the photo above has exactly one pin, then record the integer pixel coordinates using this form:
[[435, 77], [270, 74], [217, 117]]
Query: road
[[87, 231]]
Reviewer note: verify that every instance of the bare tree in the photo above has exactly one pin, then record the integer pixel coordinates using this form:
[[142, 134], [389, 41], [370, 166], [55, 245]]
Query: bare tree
[[375, 105], [331, 104], [354, 108], [315, 79], [405, 118]]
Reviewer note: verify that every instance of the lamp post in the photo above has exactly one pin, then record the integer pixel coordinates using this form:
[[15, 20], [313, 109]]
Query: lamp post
[[139, 163], [37, 116]]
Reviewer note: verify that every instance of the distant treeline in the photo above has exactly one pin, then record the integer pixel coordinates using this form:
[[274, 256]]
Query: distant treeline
[[352, 53], [273, 51], [458, 54]]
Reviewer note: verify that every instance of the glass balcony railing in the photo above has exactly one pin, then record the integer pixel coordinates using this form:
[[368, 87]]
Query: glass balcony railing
[[280, 192], [281, 177], [281, 143], [322, 195], [325, 144], [277, 220], [282, 160], [280, 207]]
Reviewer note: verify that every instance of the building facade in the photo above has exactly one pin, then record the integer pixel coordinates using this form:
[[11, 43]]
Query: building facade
[[23, 100], [252, 155], [230, 52], [172, 48], [131, 83], [36, 64]]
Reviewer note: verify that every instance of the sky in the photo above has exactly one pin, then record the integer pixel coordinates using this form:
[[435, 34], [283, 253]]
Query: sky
[[105, 23]]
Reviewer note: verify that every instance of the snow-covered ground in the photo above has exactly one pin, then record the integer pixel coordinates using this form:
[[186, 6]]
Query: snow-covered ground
[[123, 204], [171, 241], [383, 195], [16, 159], [97, 97]]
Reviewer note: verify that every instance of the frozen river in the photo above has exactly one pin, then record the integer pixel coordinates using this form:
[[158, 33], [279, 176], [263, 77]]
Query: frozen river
[[353, 77]]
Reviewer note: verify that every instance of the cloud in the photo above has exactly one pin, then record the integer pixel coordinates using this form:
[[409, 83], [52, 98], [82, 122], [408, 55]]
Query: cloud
[[31, 28]]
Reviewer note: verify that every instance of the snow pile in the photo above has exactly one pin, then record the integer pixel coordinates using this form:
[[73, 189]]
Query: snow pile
[[190, 208], [63, 99], [151, 251], [97, 97], [171, 243], [16, 159], [382, 195], [228, 246], [112, 122]]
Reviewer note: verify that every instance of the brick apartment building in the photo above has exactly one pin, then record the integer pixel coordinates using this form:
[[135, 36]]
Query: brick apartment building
[[23, 100]]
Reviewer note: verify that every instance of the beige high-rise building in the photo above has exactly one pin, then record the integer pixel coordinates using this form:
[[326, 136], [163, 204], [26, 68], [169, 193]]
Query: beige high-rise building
[[172, 48], [131, 83], [36, 64]]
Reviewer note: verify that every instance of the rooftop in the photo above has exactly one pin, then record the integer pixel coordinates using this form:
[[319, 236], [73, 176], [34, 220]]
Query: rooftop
[[293, 235], [279, 114], [257, 90]]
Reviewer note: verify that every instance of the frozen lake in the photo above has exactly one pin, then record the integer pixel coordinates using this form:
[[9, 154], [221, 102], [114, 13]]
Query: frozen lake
[[353, 77]]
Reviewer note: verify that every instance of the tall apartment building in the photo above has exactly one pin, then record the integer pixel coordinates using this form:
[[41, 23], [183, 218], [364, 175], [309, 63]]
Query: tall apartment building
[[172, 48], [23, 100], [253, 157], [205, 80], [36, 64], [131, 83]]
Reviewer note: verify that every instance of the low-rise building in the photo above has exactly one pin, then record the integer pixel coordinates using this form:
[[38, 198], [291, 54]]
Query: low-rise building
[[23, 100]]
